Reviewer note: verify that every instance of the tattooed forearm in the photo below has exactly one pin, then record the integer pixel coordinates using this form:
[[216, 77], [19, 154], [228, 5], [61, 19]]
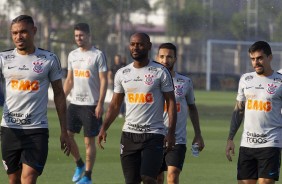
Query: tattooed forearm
[[237, 118]]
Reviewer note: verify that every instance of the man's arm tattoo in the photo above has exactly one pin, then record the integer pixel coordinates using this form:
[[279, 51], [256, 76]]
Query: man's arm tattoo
[[237, 118]]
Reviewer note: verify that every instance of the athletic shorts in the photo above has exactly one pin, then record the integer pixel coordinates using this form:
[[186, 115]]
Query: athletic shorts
[[28, 146], [141, 155], [83, 115], [254, 163], [175, 157]]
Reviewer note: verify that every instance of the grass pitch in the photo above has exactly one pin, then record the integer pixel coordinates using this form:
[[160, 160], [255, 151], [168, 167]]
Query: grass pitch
[[211, 167]]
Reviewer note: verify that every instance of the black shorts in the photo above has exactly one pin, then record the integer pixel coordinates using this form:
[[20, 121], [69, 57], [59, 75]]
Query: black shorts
[[174, 157], [254, 163], [141, 154], [83, 115], [28, 146]]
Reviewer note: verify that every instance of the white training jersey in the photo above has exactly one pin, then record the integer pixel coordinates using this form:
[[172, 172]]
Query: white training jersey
[[25, 81], [143, 89], [86, 66], [263, 103], [184, 95]]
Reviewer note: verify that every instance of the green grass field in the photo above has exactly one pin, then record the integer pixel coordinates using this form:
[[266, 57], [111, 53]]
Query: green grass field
[[211, 167]]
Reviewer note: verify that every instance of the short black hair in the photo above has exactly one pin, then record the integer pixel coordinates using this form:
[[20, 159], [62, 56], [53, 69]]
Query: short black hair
[[143, 34], [261, 45], [23, 18], [169, 46], [82, 27]]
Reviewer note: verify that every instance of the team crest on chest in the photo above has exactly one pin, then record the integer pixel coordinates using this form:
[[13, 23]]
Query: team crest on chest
[[179, 90], [271, 88], [149, 79], [38, 68]]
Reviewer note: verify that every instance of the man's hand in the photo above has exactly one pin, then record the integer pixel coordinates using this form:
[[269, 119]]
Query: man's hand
[[65, 143], [101, 137], [169, 142], [200, 141], [99, 111], [230, 147]]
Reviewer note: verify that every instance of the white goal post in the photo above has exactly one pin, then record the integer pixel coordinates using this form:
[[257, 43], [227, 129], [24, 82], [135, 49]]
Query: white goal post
[[230, 56]]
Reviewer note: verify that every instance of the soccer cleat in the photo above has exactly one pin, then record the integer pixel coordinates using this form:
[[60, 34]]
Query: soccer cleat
[[78, 173], [84, 180]]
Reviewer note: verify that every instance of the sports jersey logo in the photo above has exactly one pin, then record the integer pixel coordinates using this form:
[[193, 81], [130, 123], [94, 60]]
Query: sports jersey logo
[[24, 85], [179, 90], [11, 67], [259, 105], [140, 98], [259, 87], [152, 69], [23, 68], [138, 79], [271, 88], [139, 128], [38, 68], [41, 56], [277, 80], [181, 80], [256, 138], [149, 79], [9, 57], [126, 71], [82, 73], [248, 78]]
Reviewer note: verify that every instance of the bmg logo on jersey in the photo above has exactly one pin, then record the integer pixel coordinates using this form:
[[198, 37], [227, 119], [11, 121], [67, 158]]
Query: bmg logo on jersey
[[140, 98], [259, 105], [82, 73], [24, 85]]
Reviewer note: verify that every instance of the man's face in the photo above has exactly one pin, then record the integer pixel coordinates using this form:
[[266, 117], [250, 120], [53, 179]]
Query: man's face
[[166, 57], [139, 47], [260, 62], [81, 38], [23, 35]]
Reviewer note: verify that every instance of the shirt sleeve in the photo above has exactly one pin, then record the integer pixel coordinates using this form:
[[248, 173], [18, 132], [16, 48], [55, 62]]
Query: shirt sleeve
[[56, 69], [240, 95], [166, 81]]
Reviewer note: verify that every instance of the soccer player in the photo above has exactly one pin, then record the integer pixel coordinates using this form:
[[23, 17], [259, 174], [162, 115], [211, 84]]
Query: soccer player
[[87, 78], [259, 103], [185, 102], [145, 85], [26, 73]]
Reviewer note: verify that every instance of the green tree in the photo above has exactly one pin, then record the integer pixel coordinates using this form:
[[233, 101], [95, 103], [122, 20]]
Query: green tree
[[55, 19]]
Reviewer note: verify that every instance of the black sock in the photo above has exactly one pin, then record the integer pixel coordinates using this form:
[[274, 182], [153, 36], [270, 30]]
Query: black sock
[[88, 174], [80, 163]]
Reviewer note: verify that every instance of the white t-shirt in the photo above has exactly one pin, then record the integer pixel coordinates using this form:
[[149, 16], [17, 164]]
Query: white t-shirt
[[263, 119], [86, 66], [25, 81], [184, 95], [143, 89]]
